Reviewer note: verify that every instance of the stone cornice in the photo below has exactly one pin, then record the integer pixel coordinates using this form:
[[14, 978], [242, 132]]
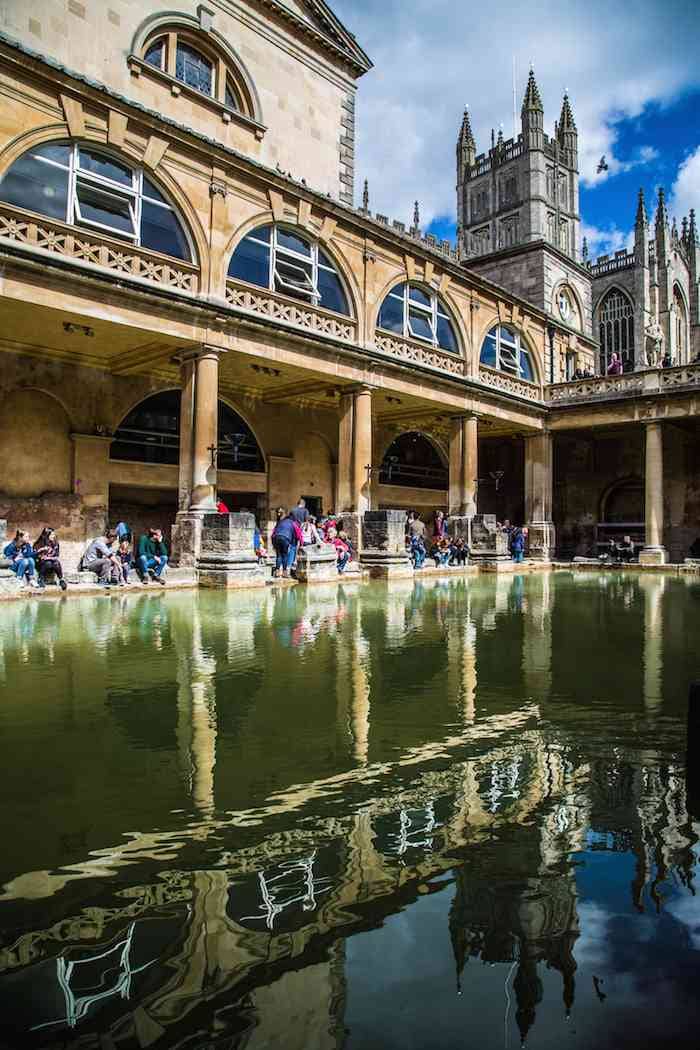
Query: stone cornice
[[336, 39]]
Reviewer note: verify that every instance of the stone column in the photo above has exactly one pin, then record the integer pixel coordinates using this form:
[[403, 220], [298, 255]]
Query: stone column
[[343, 497], [187, 382], [538, 496], [464, 463], [206, 417], [362, 449], [654, 553]]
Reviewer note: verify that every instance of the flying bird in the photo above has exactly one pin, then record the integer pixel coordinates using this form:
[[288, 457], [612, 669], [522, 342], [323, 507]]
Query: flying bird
[[602, 165]]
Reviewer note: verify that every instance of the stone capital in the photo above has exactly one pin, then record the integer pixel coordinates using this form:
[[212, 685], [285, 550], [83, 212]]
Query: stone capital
[[198, 352]]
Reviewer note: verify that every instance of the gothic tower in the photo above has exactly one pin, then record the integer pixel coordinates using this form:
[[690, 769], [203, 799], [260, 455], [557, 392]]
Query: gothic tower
[[518, 210]]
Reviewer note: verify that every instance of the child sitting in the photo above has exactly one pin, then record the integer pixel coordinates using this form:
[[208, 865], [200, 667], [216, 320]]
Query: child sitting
[[459, 552], [124, 562]]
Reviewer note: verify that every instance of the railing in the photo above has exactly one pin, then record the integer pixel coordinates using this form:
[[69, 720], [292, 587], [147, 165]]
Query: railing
[[683, 375], [596, 388], [109, 253], [414, 352], [509, 384], [289, 312], [413, 476]]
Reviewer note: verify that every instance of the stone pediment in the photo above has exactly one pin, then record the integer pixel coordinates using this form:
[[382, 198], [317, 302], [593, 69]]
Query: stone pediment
[[317, 17]]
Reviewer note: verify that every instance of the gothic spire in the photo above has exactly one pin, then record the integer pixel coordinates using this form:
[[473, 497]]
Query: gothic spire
[[584, 250], [566, 120], [674, 230], [532, 100], [416, 217], [684, 229], [365, 196], [642, 218], [466, 135], [692, 231], [661, 213]]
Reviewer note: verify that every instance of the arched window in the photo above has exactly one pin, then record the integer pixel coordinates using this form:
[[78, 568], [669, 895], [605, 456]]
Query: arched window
[[503, 349], [616, 329], [151, 434], [416, 313], [277, 258], [681, 322], [184, 55], [413, 461], [85, 186]]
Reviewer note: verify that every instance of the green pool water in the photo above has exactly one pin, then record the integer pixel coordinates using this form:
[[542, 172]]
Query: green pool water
[[441, 814]]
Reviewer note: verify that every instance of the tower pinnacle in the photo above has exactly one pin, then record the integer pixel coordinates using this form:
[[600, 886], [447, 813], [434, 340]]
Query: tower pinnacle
[[532, 100], [661, 213], [566, 120], [641, 218], [466, 135]]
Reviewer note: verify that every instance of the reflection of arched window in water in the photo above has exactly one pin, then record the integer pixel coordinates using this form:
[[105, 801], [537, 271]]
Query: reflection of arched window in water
[[412, 460], [151, 434]]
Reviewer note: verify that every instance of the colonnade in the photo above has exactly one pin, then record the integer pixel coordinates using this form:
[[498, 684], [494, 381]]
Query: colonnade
[[199, 371]]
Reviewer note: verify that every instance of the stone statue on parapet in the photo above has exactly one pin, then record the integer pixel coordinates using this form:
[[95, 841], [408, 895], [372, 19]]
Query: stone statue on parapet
[[654, 344]]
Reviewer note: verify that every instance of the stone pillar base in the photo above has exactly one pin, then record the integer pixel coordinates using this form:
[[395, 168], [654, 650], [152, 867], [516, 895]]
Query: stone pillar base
[[317, 563], [186, 537], [498, 565], [351, 523], [383, 549], [488, 544], [653, 556], [227, 558], [541, 540]]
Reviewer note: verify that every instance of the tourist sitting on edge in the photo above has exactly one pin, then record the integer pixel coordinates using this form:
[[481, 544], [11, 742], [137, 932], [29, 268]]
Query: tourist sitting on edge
[[440, 551], [517, 544], [416, 527], [615, 366], [258, 546], [459, 552], [20, 555], [625, 549], [47, 553], [101, 559], [417, 551], [343, 550], [329, 522], [609, 552], [283, 539], [310, 533], [152, 556], [125, 561]]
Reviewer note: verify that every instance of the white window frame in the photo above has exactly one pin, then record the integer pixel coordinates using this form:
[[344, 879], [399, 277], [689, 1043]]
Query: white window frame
[[514, 348], [431, 314]]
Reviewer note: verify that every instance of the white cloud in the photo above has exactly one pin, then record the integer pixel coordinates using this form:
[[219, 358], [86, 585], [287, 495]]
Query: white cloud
[[605, 241], [685, 193], [433, 57]]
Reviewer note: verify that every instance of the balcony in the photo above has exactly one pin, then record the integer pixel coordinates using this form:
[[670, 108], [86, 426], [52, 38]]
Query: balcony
[[411, 351], [509, 384], [631, 384], [44, 236]]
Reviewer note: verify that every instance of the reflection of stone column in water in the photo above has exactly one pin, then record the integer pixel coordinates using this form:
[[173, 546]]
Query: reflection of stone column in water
[[537, 636], [353, 687], [653, 588], [461, 663], [196, 722]]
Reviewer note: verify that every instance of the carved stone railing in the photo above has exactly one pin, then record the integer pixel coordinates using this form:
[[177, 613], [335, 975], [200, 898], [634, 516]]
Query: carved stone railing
[[683, 375], [596, 388], [508, 384], [290, 312], [417, 353], [85, 247]]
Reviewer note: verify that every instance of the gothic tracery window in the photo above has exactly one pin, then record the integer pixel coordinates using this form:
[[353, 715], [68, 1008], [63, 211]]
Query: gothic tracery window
[[681, 323], [616, 330], [504, 349]]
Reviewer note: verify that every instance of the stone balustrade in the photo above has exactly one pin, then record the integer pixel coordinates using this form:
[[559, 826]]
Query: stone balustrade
[[43, 235], [290, 312], [508, 384], [414, 352], [630, 384]]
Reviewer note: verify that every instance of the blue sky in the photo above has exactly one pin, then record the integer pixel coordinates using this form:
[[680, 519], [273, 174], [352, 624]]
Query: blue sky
[[631, 71]]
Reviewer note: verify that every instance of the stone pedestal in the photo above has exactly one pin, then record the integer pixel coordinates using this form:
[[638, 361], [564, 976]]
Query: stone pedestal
[[541, 540], [351, 523], [317, 563], [227, 558], [488, 544], [653, 556], [384, 544], [186, 538]]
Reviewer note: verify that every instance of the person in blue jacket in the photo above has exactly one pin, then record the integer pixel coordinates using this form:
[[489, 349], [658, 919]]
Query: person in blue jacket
[[517, 544], [20, 554]]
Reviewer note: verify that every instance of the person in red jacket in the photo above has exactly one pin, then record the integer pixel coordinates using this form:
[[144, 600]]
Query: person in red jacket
[[343, 550]]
